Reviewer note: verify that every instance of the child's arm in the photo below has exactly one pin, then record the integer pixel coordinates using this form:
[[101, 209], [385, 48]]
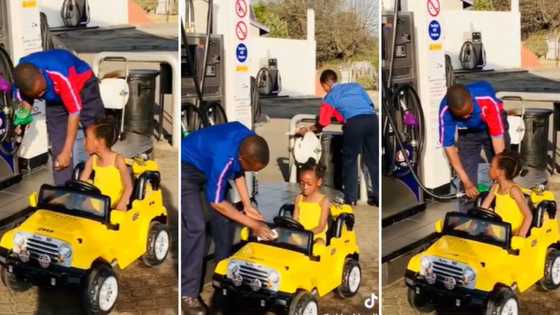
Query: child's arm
[[127, 183], [244, 195], [325, 209], [86, 173], [517, 194], [491, 195], [295, 215]]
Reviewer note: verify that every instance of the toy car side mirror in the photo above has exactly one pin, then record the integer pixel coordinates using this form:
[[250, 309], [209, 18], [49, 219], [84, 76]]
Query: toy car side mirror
[[319, 249], [439, 226], [33, 200], [517, 242], [117, 217], [244, 234]]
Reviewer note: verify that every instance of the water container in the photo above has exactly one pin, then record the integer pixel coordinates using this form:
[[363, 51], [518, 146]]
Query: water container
[[139, 111]]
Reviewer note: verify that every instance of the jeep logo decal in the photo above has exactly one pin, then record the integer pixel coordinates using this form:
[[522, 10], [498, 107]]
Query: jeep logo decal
[[46, 230]]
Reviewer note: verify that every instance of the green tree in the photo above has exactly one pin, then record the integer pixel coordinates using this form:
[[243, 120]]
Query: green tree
[[277, 27]]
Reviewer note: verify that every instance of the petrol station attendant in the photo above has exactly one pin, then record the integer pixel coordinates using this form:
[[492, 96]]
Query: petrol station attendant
[[350, 104], [71, 92], [210, 157], [477, 116]]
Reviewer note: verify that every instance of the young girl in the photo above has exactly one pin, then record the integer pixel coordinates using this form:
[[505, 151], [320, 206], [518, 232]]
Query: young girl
[[112, 176], [312, 207], [511, 204]]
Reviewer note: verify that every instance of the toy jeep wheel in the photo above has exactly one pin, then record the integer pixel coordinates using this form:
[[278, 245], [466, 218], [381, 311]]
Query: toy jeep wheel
[[551, 279], [304, 304], [503, 302], [12, 282], [157, 246], [419, 301], [101, 291], [351, 279]]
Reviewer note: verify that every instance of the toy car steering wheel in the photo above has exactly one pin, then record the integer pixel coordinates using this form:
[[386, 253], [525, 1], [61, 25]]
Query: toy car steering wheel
[[486, 213], [83, 186], [288, 222]]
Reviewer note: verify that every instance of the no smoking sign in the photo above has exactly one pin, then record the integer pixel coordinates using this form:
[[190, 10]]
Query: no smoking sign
[[434, 7], [241, 30], [241, 8]]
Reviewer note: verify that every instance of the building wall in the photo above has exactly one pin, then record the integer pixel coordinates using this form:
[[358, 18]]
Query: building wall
[[296, 62], [503, 48], [102, 12]]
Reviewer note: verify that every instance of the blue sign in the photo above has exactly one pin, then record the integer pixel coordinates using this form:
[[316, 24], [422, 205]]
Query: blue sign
[[434, 29], [241, 52]]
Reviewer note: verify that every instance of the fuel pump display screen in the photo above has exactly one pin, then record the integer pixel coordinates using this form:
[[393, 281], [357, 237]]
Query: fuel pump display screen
[[400, 51]]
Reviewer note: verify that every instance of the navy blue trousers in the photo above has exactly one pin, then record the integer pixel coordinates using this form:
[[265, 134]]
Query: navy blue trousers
[[361, 135], [57, 124], [195, 212]]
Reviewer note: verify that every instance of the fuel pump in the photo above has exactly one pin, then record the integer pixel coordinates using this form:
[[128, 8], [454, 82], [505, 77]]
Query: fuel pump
[[414, 82], [20, 34], [217, 83]]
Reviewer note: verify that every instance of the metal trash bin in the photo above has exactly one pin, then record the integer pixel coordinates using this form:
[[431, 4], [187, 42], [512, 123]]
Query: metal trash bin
[[534, 147], [139, 111], [535, 142]]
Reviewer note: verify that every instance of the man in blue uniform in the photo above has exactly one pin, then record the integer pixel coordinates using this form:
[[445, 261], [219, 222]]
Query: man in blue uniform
[[71, 92], [350, 104], [477, 116], [209, 158]]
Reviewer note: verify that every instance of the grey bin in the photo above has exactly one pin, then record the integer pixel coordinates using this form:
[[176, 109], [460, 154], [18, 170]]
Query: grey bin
[[139, 111], [535, 142]]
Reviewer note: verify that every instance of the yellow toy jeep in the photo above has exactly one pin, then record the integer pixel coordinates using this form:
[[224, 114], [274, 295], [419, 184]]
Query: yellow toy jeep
[[291, 271], [478, 264], [73, 238]]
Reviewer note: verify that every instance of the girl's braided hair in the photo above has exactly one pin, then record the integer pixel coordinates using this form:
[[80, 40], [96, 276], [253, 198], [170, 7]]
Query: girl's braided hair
[[510, 162], [312, 165], [104, 128]]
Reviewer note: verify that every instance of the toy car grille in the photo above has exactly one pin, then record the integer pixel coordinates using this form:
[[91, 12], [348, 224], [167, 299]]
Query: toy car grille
[[445, 269], [38, 246], [251, 273]]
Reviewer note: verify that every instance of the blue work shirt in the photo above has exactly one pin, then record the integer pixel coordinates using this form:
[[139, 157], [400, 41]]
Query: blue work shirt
[[214, 151], [344, 101], [65, 74], [487, 114]]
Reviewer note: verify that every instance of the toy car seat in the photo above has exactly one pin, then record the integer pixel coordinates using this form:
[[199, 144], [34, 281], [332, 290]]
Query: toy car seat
[[139, 181]]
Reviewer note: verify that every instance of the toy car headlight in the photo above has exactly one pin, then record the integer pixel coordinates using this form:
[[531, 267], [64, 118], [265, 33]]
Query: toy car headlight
[[425, 266], [234, 274], [468, 276], [273, 280], [20, 241], [64, 252]]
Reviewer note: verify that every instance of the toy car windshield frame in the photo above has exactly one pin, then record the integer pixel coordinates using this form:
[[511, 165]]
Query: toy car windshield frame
[[308, 250], [104, 200], [448, 229]]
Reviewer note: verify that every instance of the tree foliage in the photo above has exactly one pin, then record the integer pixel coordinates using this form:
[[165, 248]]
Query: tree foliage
[[539, 15], [343, 29]]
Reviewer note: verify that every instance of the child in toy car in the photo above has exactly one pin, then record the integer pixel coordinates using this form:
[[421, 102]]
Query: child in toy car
[[112, 176], [511, 204], [311, 207]]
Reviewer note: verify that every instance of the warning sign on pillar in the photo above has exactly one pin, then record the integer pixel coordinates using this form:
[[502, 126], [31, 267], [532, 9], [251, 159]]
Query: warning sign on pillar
[[241, 30], [434, 7], [241, 8]]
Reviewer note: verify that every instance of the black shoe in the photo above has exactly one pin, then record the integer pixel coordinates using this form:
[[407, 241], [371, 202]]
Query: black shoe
[[373, 201], [193, 306]]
